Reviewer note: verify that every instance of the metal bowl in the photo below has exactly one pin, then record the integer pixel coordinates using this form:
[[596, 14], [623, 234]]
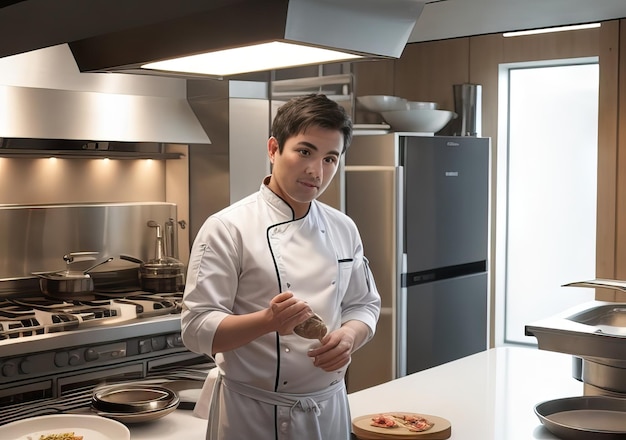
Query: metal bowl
[[132, 399]]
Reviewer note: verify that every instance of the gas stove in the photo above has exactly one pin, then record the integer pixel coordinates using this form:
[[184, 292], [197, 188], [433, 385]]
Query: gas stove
[[49, 347], [55, 342]]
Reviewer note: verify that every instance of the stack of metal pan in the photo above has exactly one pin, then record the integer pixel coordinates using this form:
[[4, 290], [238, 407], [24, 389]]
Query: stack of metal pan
[[134, 403]]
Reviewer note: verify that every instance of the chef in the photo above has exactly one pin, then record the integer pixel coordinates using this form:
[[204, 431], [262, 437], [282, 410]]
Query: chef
[[268, 263]]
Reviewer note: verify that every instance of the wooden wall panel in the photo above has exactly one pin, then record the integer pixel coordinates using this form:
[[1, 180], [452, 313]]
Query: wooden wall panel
[[427, 71], [607, 156], [612, 142], [486, 53], [485, 56], [373, 77]]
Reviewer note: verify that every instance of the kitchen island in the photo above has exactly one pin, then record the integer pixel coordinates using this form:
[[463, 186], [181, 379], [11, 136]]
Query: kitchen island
[[489, 395]]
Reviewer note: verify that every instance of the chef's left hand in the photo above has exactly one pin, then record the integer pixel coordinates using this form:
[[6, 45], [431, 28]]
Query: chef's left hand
[[335, 351]]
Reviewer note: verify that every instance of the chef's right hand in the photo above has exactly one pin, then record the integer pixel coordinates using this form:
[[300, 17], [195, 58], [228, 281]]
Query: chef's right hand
[[287, 311]]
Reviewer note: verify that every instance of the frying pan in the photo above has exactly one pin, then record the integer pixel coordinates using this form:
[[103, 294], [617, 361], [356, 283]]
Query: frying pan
[[584, 418]]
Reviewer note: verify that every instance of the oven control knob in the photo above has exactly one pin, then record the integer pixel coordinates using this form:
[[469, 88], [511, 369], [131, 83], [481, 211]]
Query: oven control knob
[[61, 359], [27, 366], [74, 359], [158, 343], [91, 355], [9, 369], [174, 340]]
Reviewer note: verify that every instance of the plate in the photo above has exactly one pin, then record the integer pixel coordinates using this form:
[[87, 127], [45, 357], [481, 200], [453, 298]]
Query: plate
[[363, 430], [584, 418], [90, 427]]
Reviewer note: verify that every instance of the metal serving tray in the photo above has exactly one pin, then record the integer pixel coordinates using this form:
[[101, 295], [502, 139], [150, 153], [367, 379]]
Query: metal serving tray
[[584, 418]]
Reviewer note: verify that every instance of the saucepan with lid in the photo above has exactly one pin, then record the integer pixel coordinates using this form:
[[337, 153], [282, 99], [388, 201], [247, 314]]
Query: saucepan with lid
[[70, 284], [163, 273]]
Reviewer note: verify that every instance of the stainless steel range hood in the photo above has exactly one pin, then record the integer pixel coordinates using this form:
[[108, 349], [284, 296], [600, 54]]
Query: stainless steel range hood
[[374, 28], [47, 104]]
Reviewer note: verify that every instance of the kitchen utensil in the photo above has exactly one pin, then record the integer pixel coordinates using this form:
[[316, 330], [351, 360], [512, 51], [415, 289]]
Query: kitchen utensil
[[382, 103], [163, 273], [70, 284], [362, 428], [418, 120], [584, 418]]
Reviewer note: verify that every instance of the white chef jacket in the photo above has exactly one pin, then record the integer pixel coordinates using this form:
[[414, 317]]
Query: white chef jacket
[[241, 258]]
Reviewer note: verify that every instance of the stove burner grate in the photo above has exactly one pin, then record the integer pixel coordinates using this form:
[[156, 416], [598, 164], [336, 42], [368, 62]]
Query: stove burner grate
[[22, 317]]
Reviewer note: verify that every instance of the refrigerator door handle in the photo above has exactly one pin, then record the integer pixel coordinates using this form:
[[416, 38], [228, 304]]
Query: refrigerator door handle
[[401, 310], [401, 268]]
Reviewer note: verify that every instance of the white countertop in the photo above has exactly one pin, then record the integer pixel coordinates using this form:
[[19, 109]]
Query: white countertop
[[489, 395]]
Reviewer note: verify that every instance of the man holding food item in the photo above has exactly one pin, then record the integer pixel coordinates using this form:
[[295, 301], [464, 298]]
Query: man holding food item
[[279, 292]]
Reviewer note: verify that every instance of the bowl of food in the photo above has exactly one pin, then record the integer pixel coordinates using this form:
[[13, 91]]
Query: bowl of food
[[382, 103], [418, 120]]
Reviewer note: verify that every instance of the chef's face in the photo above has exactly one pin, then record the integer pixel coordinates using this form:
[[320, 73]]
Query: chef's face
[[305, 167]]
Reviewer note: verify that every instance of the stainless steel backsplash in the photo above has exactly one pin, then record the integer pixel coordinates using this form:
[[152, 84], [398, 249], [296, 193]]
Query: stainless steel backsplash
[[35, 238]]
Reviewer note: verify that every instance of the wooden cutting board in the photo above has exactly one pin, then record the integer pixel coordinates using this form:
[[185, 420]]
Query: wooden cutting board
[[362, 428]]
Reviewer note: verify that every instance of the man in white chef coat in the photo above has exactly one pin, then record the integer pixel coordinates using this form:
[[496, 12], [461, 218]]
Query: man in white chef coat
[[266, 264]]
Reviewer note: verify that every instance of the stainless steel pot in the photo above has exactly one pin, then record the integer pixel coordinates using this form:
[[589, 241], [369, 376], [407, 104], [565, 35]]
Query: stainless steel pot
[[69, 284], [163, 273]]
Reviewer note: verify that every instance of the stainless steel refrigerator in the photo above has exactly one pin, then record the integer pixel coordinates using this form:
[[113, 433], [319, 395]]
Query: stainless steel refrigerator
[[421, 204]]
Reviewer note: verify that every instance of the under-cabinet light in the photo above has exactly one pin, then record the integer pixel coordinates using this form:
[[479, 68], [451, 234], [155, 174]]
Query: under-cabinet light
[[255, 58], [552, 29]]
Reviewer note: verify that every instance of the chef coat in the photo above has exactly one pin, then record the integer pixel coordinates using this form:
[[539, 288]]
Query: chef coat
[[254, 249]]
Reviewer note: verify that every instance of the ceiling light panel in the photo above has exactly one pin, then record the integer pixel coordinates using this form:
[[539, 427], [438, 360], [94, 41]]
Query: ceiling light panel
[[255, 58]]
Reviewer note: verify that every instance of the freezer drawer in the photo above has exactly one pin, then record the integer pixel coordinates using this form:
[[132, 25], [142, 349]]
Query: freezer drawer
[[445, 320]]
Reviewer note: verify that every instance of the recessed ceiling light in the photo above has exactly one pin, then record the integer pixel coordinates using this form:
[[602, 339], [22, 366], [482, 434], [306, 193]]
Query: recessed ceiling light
[[552, 29]]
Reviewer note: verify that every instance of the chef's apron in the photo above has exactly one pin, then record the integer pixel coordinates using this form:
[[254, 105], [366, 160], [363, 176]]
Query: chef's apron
[[313, 416]]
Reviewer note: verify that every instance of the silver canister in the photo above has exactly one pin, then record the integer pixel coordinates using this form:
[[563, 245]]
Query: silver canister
[[468, 106]]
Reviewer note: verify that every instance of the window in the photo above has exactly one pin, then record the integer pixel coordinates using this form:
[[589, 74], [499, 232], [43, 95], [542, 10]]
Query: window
[[546, 201]]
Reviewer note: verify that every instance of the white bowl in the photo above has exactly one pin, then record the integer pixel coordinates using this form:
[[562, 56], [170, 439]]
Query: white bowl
[[419, 120], [417, 105], [382, 103]]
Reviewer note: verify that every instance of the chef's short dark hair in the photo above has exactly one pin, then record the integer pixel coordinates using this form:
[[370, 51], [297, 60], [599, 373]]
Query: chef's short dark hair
[[297, 114]]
